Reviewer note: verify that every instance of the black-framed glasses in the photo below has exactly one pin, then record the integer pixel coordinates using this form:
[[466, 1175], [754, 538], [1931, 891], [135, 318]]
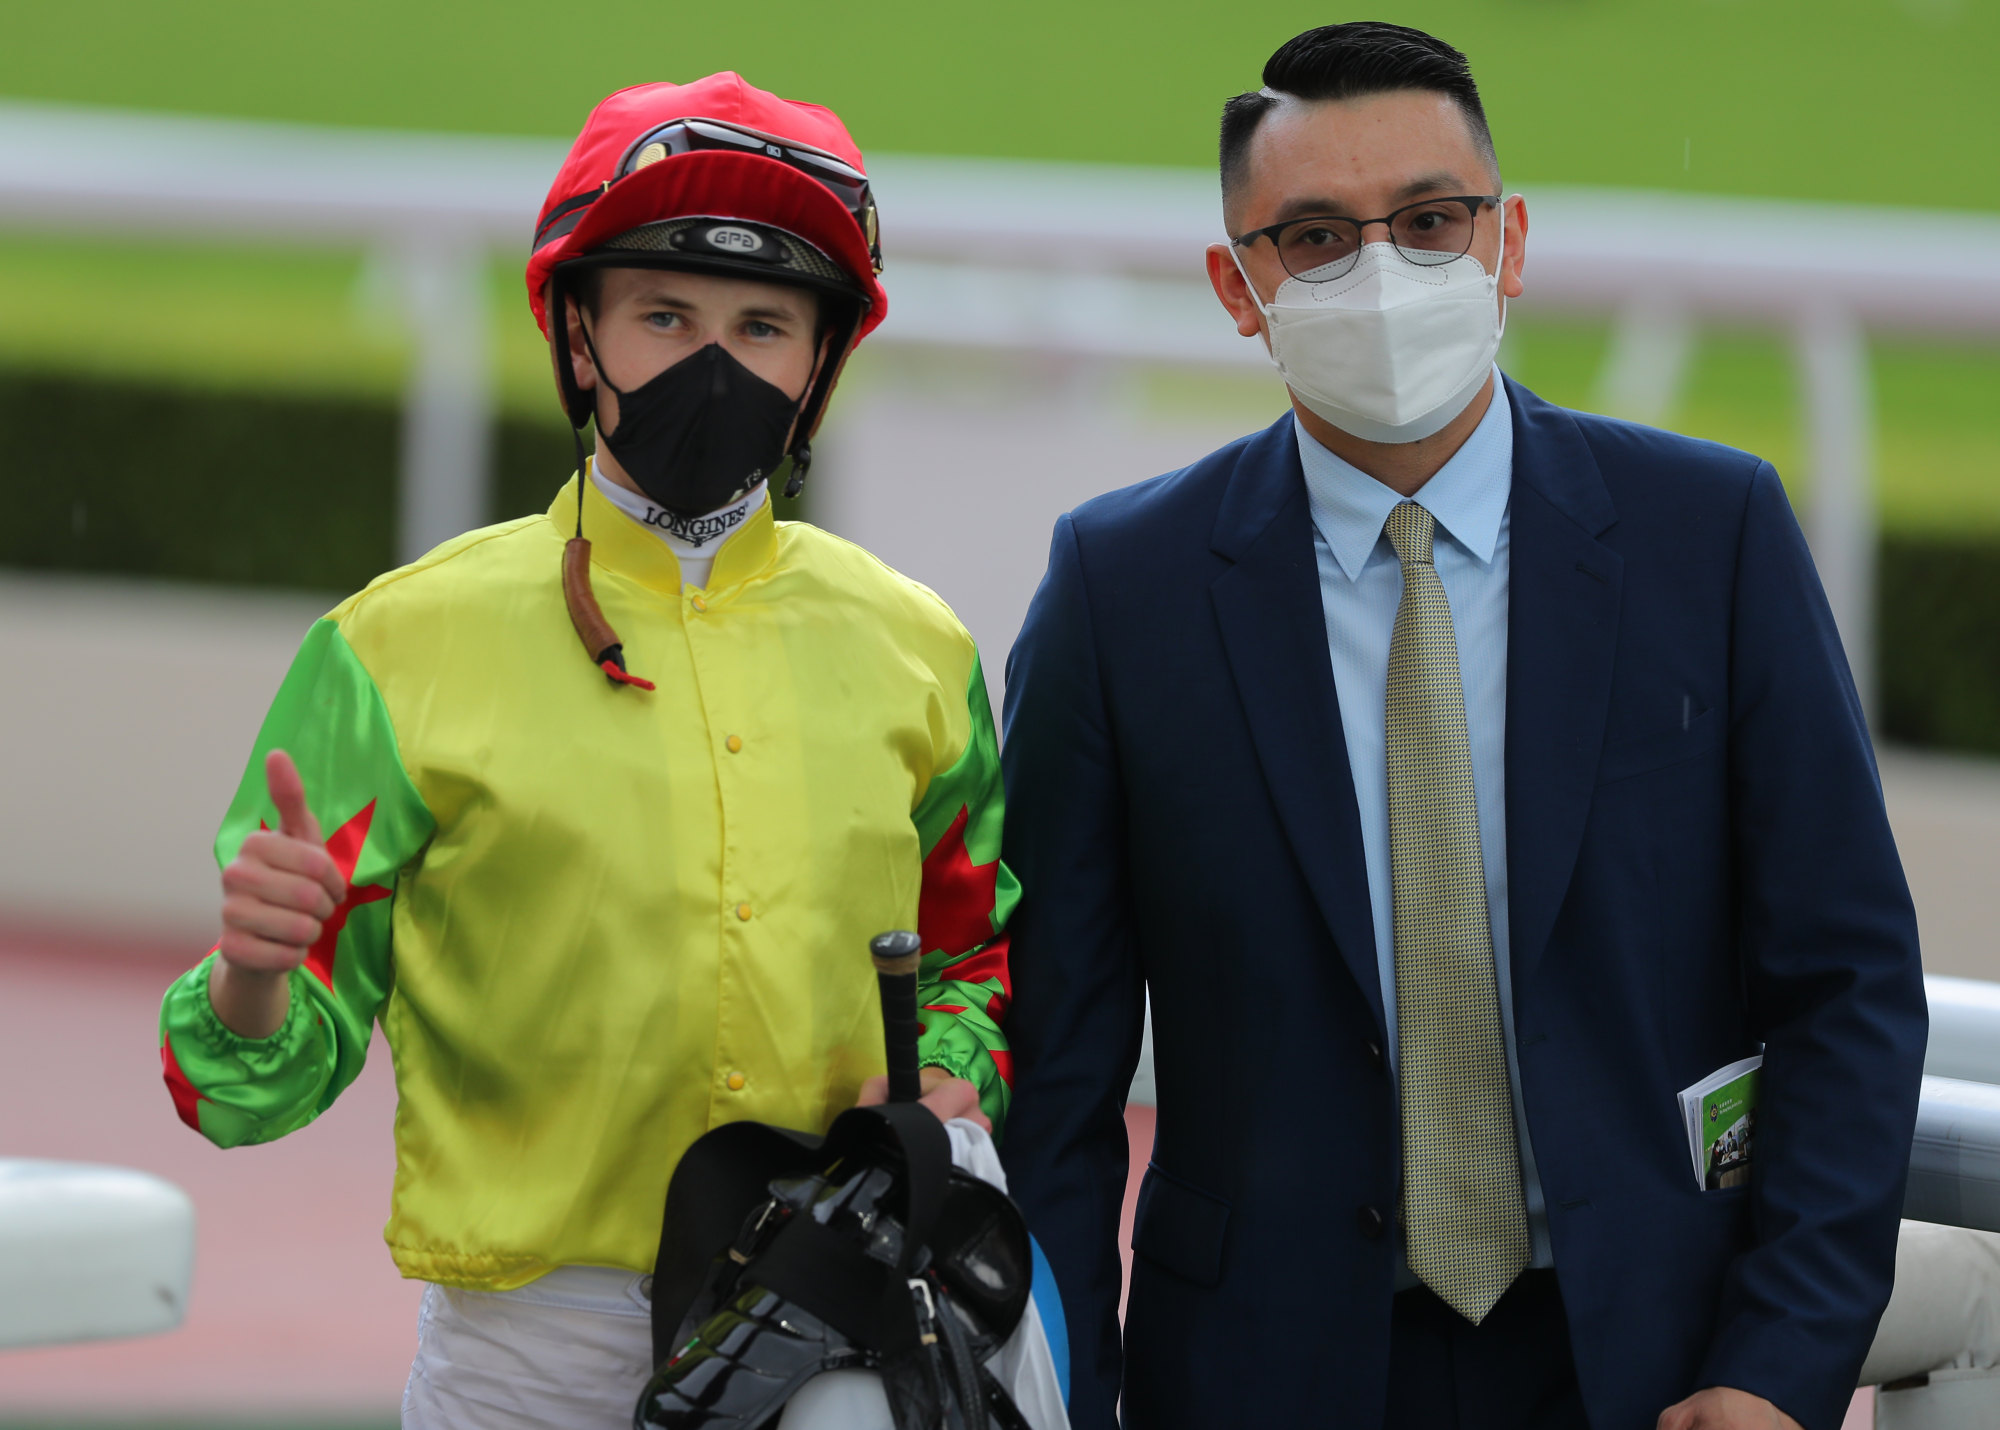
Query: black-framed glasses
[[682, 136], [1430, 232]]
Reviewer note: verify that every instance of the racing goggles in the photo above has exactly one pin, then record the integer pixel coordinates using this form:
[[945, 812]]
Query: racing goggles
[[688, 136]]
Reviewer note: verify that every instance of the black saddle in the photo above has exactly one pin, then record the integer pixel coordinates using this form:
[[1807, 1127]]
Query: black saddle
[[784, 1256]]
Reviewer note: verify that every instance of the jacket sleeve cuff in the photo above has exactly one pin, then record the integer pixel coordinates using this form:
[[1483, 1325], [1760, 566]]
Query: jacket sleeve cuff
[[1794, 1373], [959, 1049], [280, 1045], [957, 1063], [244, 1089]]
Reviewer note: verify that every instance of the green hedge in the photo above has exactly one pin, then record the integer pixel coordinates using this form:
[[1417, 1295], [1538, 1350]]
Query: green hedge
[[249, 489], [136, 479], [244, 489], [1938, 641]]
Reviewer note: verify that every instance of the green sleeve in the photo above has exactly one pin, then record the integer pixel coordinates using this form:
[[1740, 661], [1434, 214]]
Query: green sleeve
[[330, 718], [963, 987]]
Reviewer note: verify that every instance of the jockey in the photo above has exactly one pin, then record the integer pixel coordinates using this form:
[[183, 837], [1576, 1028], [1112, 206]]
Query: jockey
[[599, 905]]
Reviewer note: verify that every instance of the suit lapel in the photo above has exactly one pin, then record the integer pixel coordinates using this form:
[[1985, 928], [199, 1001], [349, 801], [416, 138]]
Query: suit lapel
[[1564, 590], [1267, 604]]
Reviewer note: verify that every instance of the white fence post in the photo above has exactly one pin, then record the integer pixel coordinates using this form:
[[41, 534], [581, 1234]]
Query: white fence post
[[448, 404], [1838, 408], [1645, 367]]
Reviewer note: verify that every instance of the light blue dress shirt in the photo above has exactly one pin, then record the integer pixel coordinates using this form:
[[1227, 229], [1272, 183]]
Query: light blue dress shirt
[[1360, 585]]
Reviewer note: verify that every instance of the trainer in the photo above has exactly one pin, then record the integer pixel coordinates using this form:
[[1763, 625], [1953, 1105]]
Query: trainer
[[1463, 777]]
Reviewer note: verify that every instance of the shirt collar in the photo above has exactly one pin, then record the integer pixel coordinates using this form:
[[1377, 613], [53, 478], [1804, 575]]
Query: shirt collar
[[684, 536], [621, 544], [1468, 496]]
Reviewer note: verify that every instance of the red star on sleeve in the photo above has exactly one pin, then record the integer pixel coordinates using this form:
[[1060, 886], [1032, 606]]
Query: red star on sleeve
[[345, 847], [187, 1097], [955, 905], [955, 914]]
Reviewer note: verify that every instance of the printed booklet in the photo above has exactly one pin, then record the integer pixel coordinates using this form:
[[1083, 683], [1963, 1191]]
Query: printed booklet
[[1721, 1116]]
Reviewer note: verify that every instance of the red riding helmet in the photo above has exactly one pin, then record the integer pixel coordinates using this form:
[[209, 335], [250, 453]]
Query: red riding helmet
[[658, 172]]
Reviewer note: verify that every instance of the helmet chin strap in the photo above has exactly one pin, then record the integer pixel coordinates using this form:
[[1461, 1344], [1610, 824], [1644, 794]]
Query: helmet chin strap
[[603, 378], [802, 452], [582, 471], [802, 459]]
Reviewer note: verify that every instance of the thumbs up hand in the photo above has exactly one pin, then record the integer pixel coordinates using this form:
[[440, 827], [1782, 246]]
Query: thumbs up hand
[[276, 896], [288, 793]]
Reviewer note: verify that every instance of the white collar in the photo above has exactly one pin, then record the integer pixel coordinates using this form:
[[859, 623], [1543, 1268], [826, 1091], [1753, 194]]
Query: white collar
[[699, 536]]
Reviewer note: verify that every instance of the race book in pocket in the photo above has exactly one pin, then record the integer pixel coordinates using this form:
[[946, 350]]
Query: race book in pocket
[[1721, 1116]]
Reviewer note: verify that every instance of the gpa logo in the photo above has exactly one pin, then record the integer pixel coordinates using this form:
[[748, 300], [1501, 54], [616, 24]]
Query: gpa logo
[[735, 240]]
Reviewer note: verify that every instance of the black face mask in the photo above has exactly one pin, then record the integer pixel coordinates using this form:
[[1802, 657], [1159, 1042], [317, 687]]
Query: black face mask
[[702, 433]]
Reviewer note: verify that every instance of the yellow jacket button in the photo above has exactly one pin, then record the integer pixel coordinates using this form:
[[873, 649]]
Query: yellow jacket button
[[743, 912], [736, 1081], [699, 604], [735, 743]]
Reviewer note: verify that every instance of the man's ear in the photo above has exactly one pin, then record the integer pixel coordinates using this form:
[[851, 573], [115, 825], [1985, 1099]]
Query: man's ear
[[1229, 284], [579, 353], [1514, 212]]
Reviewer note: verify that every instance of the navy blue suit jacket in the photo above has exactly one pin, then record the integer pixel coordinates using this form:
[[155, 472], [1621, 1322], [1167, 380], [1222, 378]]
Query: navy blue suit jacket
[[1698, 859]]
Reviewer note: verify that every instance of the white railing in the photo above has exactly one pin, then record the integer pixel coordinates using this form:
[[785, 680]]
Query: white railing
[[1074, 261], [1965, 1029]]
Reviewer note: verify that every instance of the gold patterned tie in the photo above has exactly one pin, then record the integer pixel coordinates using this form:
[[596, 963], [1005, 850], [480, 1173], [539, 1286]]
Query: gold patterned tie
[[1463, 1215]]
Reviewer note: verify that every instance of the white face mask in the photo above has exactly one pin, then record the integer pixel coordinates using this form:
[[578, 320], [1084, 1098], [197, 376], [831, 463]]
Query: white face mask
[[1390, 351]]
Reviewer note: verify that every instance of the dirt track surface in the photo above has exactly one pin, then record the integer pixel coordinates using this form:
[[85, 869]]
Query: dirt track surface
[[296, 1308]]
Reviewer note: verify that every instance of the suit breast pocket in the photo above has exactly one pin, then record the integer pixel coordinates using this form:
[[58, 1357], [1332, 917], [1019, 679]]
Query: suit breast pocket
[[1624, 759]]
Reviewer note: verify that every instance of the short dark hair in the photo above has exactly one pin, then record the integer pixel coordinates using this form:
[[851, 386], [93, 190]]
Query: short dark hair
[[1349, 61]]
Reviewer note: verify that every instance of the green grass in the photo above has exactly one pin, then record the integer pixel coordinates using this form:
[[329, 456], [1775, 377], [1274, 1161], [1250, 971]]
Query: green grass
[[1876, 100], [1937, 419], [234, 316]]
